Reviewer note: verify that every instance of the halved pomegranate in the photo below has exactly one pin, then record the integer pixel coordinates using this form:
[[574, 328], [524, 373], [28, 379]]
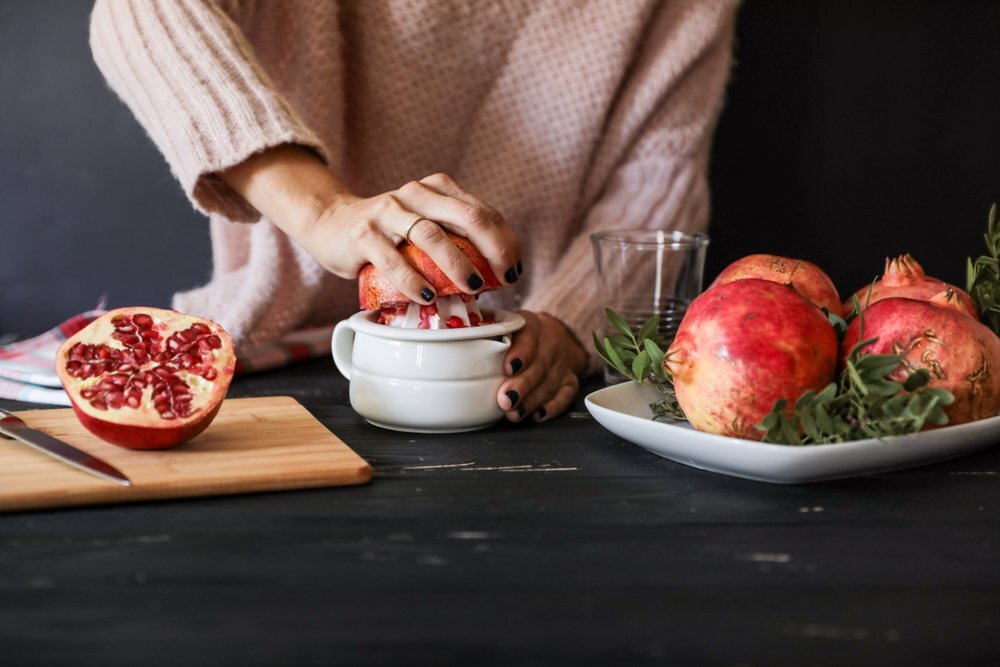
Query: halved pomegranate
[[147, 378], [375, 292]]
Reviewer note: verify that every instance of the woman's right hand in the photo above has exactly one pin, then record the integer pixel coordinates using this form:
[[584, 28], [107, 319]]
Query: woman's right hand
[[295, 190]]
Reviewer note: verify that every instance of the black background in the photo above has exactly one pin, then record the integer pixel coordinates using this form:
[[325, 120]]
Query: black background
[[852, 131]]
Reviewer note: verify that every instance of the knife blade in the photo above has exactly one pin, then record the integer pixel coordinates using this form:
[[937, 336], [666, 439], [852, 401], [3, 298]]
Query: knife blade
[[14, 427]]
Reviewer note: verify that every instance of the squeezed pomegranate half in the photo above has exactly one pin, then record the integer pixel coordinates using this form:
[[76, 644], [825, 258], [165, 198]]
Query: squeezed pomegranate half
[[147, 378]]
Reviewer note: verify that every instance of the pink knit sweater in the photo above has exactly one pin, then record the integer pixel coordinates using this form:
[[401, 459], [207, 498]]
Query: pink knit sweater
[[568, 116]]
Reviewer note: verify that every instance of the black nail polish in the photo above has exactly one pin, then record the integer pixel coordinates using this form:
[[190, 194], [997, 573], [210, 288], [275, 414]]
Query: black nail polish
[[541, 412], [512, 397], [511, 275], [515, 365], [427, 294], [520, 269], [475, 281], [520, 411]]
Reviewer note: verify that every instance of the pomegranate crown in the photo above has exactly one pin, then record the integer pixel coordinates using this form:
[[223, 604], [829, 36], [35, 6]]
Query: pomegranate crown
[[903, 270]]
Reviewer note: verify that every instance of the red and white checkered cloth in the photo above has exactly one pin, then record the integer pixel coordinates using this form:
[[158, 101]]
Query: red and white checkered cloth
[[28, 367]]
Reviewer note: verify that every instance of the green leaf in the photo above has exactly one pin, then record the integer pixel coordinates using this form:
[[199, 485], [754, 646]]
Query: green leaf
[[613, 356], [640, 365], [648, 328], [917, 379], [619, 323]]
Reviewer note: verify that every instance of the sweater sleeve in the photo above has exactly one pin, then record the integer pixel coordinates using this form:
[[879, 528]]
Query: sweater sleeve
[[188, 74], [650, 171]]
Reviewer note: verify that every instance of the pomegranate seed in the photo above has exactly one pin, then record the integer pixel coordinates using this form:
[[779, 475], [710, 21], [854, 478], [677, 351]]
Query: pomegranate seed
[[214, 342], [168, 415], [427, 311], [99, 404], [126, 337], [474, 319], [103, 352], [133, 401], [160, 400], [173, 344], [162, 371], [210, 374], [424, 324], [455, 322], [143, 321], [119, 320], [73, 366], [116, 402], [200, 328], [87, 394], [466, 298]]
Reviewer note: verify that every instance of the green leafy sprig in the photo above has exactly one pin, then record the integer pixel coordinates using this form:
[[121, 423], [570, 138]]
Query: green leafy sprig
[[639, 357], [982, 276], [861, 403]]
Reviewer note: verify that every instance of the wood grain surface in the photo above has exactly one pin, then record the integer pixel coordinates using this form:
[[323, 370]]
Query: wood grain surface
[[254, 444]]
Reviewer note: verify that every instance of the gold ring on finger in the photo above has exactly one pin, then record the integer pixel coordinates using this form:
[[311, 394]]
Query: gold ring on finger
[[411, 226]]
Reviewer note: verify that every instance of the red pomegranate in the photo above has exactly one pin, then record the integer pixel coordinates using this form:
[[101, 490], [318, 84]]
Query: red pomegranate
[[147, 378], [904, 277], [376, 292], [962, 355], [743, 345], [805, 278]]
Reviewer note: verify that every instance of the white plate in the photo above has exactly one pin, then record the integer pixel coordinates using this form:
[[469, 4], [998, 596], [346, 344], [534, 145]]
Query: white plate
[[624, 410]]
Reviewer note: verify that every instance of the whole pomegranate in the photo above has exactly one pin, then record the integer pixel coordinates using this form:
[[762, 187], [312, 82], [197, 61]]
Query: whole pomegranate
[[743, 345], [804, 277], [147, 378], [904, 277], [961, 354]]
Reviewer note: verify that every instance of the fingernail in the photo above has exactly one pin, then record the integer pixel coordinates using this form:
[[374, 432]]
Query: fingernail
[[515, 365], [475, 281], [428, 294], [512, 397], [520, 269], [541, 412], [520, 411], [511, 275]]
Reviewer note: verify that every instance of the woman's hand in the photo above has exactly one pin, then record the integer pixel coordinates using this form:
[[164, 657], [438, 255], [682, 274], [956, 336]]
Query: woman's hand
[[296, 191], [544, 362]]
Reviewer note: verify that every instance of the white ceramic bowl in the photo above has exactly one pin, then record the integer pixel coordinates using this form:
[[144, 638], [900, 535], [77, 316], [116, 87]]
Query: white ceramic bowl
[[424, 381]]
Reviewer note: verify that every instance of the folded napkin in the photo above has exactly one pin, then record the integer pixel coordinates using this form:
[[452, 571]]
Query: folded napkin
[[28, 367]]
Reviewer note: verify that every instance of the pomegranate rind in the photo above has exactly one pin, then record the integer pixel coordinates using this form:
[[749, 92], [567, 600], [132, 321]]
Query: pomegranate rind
[[142, 427], [742, 346], [376, 292], [961, 354], [903, 277], [803, 276]]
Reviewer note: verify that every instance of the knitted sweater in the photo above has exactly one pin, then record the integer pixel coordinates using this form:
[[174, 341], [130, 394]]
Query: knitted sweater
[[568, 116]]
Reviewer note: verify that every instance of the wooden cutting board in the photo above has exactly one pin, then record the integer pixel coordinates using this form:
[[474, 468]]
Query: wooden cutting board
[[254, 444]]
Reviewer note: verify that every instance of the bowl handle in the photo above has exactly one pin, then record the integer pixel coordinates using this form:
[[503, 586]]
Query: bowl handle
[[342, 347]]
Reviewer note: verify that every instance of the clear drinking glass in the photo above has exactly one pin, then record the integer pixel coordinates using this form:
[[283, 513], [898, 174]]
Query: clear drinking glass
[[642, 272]]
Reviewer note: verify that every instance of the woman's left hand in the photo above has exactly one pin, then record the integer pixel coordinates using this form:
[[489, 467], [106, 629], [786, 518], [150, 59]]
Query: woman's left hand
[[544, 362]]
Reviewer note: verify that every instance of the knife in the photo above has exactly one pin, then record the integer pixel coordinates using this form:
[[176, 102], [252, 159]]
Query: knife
[[14, 427]]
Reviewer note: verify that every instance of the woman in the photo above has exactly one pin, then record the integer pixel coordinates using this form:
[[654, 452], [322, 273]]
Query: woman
[[341, 128]]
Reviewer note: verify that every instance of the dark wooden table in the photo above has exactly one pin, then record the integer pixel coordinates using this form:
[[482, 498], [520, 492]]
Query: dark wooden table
[[554, 544]]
